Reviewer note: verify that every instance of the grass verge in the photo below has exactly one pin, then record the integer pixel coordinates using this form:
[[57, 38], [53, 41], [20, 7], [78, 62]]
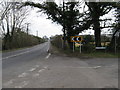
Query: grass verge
[[84, 55], [101, 55]]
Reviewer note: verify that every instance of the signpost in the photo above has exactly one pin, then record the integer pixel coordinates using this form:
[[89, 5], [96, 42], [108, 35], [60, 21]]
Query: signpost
[[80, 47], [76, 39], [116, 35]]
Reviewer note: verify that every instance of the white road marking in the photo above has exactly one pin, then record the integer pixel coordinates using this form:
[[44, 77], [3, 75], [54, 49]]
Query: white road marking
[[48, 56], [23, 75], [15, 55], [22, 85], [90, 67], [32, 69], [46, 67], [41, 70], [95, 67], [9, 82]]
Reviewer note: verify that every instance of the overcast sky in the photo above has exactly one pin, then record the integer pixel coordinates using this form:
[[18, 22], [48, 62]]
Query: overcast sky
[[38, 22]]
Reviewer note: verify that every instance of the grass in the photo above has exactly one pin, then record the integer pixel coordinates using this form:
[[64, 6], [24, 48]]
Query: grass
[[94, 54], [101, 55]]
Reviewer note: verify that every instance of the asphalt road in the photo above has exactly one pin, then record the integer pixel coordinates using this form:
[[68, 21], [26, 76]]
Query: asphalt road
[[36, 68]]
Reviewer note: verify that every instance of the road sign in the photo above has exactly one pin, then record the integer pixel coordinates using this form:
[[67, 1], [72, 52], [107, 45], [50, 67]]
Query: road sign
[[76, 39], [100, 48]]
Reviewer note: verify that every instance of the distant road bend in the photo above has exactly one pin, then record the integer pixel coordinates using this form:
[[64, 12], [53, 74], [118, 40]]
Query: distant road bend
[[36, 68]]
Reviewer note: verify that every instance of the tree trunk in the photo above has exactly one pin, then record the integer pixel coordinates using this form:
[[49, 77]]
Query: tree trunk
[[69, 42], [97, 32], [118, 43], [7, 42], [112, 43]]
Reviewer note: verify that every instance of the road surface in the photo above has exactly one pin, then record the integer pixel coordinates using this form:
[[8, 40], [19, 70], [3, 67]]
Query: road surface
[[36, 68]]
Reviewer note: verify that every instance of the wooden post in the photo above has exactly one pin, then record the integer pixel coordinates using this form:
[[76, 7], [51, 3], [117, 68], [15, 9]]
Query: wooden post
[[73, 47], [80, 47]]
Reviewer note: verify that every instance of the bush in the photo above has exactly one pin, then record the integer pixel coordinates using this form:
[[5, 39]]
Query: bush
[[88, 48], [20, 39], [57, 41]]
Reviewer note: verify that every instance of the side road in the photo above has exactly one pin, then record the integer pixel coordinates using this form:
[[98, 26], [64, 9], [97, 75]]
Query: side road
[[105, 69]]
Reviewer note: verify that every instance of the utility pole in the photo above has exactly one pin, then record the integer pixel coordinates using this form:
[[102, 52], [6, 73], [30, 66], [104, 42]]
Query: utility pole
[[115, 44], [27, 27], [37, 33], [64, 35]]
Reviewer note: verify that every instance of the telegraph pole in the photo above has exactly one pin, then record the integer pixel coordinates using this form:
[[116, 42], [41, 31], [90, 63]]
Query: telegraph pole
[[37, 33], [27, 27]]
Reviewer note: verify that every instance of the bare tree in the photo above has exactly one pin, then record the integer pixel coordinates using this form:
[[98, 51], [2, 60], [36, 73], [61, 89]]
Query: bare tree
[[11, 18]]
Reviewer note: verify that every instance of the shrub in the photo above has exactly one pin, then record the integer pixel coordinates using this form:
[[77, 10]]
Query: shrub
[[20, 39], [88, 48], [57, 41]]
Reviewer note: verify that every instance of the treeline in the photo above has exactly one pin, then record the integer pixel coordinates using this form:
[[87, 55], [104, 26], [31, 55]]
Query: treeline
[[20, 39], [88, 43]]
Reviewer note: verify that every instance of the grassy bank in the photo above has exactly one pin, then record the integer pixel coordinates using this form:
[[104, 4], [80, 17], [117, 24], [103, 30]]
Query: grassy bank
[[101, 55], [20, 39], [94, 54]]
